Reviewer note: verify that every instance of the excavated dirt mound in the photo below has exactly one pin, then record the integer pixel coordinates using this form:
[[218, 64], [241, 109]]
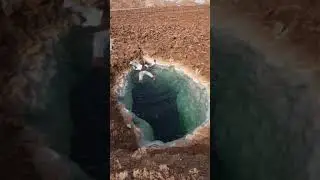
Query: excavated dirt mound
[[178, 34]]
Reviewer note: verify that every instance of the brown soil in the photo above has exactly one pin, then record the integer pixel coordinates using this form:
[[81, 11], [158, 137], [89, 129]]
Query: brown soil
[[294, 22], [182, 35], [297, 21], [23, 48], [116, 4]]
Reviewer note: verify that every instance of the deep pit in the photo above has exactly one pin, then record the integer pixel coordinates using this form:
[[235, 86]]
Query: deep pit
[[262, 117], [173, 104]]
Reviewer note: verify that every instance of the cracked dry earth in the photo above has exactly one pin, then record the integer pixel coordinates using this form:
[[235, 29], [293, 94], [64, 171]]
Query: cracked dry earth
[[174, 35]]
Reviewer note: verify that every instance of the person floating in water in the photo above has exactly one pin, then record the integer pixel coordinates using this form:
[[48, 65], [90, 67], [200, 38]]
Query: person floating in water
[[143, 67]]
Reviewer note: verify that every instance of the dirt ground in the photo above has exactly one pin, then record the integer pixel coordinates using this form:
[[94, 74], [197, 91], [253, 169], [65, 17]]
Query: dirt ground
[[179, 34], [296, 21], [116, 4]]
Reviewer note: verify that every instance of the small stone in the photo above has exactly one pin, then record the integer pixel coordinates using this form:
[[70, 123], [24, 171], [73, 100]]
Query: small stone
[[129, 126], [123, 175]]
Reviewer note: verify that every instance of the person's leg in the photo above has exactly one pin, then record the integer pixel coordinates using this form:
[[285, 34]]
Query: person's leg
[[141, 74], [149, 74]]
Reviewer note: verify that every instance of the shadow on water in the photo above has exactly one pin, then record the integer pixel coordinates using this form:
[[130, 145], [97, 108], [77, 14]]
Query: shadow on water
[[261, 116]]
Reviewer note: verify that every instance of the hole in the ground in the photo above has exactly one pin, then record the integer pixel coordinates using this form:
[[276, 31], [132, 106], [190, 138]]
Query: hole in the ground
[[172, 104], [262, 115]]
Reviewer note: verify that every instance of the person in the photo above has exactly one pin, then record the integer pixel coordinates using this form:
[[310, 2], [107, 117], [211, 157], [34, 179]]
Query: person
[[142, 68], [100, 40], [96, 19], [88, 94]]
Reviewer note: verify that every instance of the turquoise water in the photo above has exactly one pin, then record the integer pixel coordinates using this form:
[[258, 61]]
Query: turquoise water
[[173, 104]]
